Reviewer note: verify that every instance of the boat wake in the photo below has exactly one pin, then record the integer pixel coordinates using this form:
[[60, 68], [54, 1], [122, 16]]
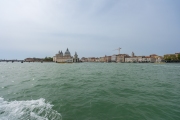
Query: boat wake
[[27, 110]]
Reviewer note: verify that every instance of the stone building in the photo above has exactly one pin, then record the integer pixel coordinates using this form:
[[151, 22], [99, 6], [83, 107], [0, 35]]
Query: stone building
[[159, 59], [154, 55], [131, 59], [107, 58], [33, 59], [66, 57], [148, 59], [113, 58], [83, 59], [97, 59], [91, 59], [121, 58], [102, 59]]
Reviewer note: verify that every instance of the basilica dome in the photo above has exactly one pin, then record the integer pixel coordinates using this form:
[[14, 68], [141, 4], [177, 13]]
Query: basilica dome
[[67, 53]]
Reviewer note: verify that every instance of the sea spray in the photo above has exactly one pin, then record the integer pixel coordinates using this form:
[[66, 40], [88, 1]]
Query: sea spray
[[31, 109]]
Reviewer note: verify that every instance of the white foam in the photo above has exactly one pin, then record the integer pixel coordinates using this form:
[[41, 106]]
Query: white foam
[[31, 109]]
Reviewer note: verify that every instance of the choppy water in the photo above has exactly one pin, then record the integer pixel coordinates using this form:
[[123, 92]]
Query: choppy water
[[89, 91]]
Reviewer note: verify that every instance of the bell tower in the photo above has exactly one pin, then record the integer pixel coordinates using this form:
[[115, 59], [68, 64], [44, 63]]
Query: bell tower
[[75, 59], [132, 54]]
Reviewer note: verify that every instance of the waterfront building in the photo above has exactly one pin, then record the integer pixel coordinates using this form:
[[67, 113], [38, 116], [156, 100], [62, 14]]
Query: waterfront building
[[91, 59], [113, 58], [107, 58], [159, 59], [66, 57], [126, 58], [102, 59], [33, 59], [29, 60], [97, 60], [148, 59], [121, 57], [83, 59], [141, 59], [131, 59], [154, 55]]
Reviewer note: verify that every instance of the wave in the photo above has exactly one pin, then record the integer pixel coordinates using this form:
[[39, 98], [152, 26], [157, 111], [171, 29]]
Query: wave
[[24, 110]]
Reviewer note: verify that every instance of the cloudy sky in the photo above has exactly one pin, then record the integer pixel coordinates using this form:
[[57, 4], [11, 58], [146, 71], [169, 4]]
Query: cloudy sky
[[39, 28]]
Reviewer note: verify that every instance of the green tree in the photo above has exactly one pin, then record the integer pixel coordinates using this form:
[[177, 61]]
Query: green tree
[[173, 57], [167, 58], [178, 56], [48, 59]]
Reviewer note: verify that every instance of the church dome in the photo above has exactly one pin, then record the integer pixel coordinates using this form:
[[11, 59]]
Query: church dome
[[67, 53]]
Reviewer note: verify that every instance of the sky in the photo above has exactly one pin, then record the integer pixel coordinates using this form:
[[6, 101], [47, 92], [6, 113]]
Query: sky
[[92, 28]]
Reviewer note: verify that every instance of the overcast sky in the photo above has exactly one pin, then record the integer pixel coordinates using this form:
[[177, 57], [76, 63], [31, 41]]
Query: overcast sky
[[40, 28]]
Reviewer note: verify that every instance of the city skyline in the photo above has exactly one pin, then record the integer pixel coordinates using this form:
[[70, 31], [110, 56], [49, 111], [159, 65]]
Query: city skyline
[[91, 28]]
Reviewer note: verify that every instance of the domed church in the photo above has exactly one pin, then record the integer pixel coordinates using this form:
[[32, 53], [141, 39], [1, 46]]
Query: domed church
[[66, 58]]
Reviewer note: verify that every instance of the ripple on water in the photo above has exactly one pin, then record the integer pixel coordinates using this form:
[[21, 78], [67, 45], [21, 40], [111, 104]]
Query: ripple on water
[[95, 91]]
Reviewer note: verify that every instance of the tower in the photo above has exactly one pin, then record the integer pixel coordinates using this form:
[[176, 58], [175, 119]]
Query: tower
[[132, 54], [75, 59], [75, 56]]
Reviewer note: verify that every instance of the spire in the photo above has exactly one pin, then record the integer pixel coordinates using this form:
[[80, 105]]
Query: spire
[[67, 49], [59, 51]]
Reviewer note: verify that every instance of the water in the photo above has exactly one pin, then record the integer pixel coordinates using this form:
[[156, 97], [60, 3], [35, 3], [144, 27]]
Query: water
[[89, 91]]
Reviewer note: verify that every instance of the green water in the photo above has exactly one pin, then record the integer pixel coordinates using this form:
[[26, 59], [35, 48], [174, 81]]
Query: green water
[[89, 91]]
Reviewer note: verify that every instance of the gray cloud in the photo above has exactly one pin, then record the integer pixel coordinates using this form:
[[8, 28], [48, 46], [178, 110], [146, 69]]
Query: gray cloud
[[39, 28]]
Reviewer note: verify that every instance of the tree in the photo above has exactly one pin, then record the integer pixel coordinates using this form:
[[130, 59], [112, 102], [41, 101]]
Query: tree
[[48, 59], [173, 57], [178, 56], [167, 58]]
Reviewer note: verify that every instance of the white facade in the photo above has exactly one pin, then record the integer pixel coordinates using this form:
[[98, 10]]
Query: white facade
[[113, 58], [159, 59], [131, 59], [140, 59], [66, 58], [149, 59]]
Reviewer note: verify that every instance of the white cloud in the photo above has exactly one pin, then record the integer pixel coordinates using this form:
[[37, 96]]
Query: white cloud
[[93, 27]]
